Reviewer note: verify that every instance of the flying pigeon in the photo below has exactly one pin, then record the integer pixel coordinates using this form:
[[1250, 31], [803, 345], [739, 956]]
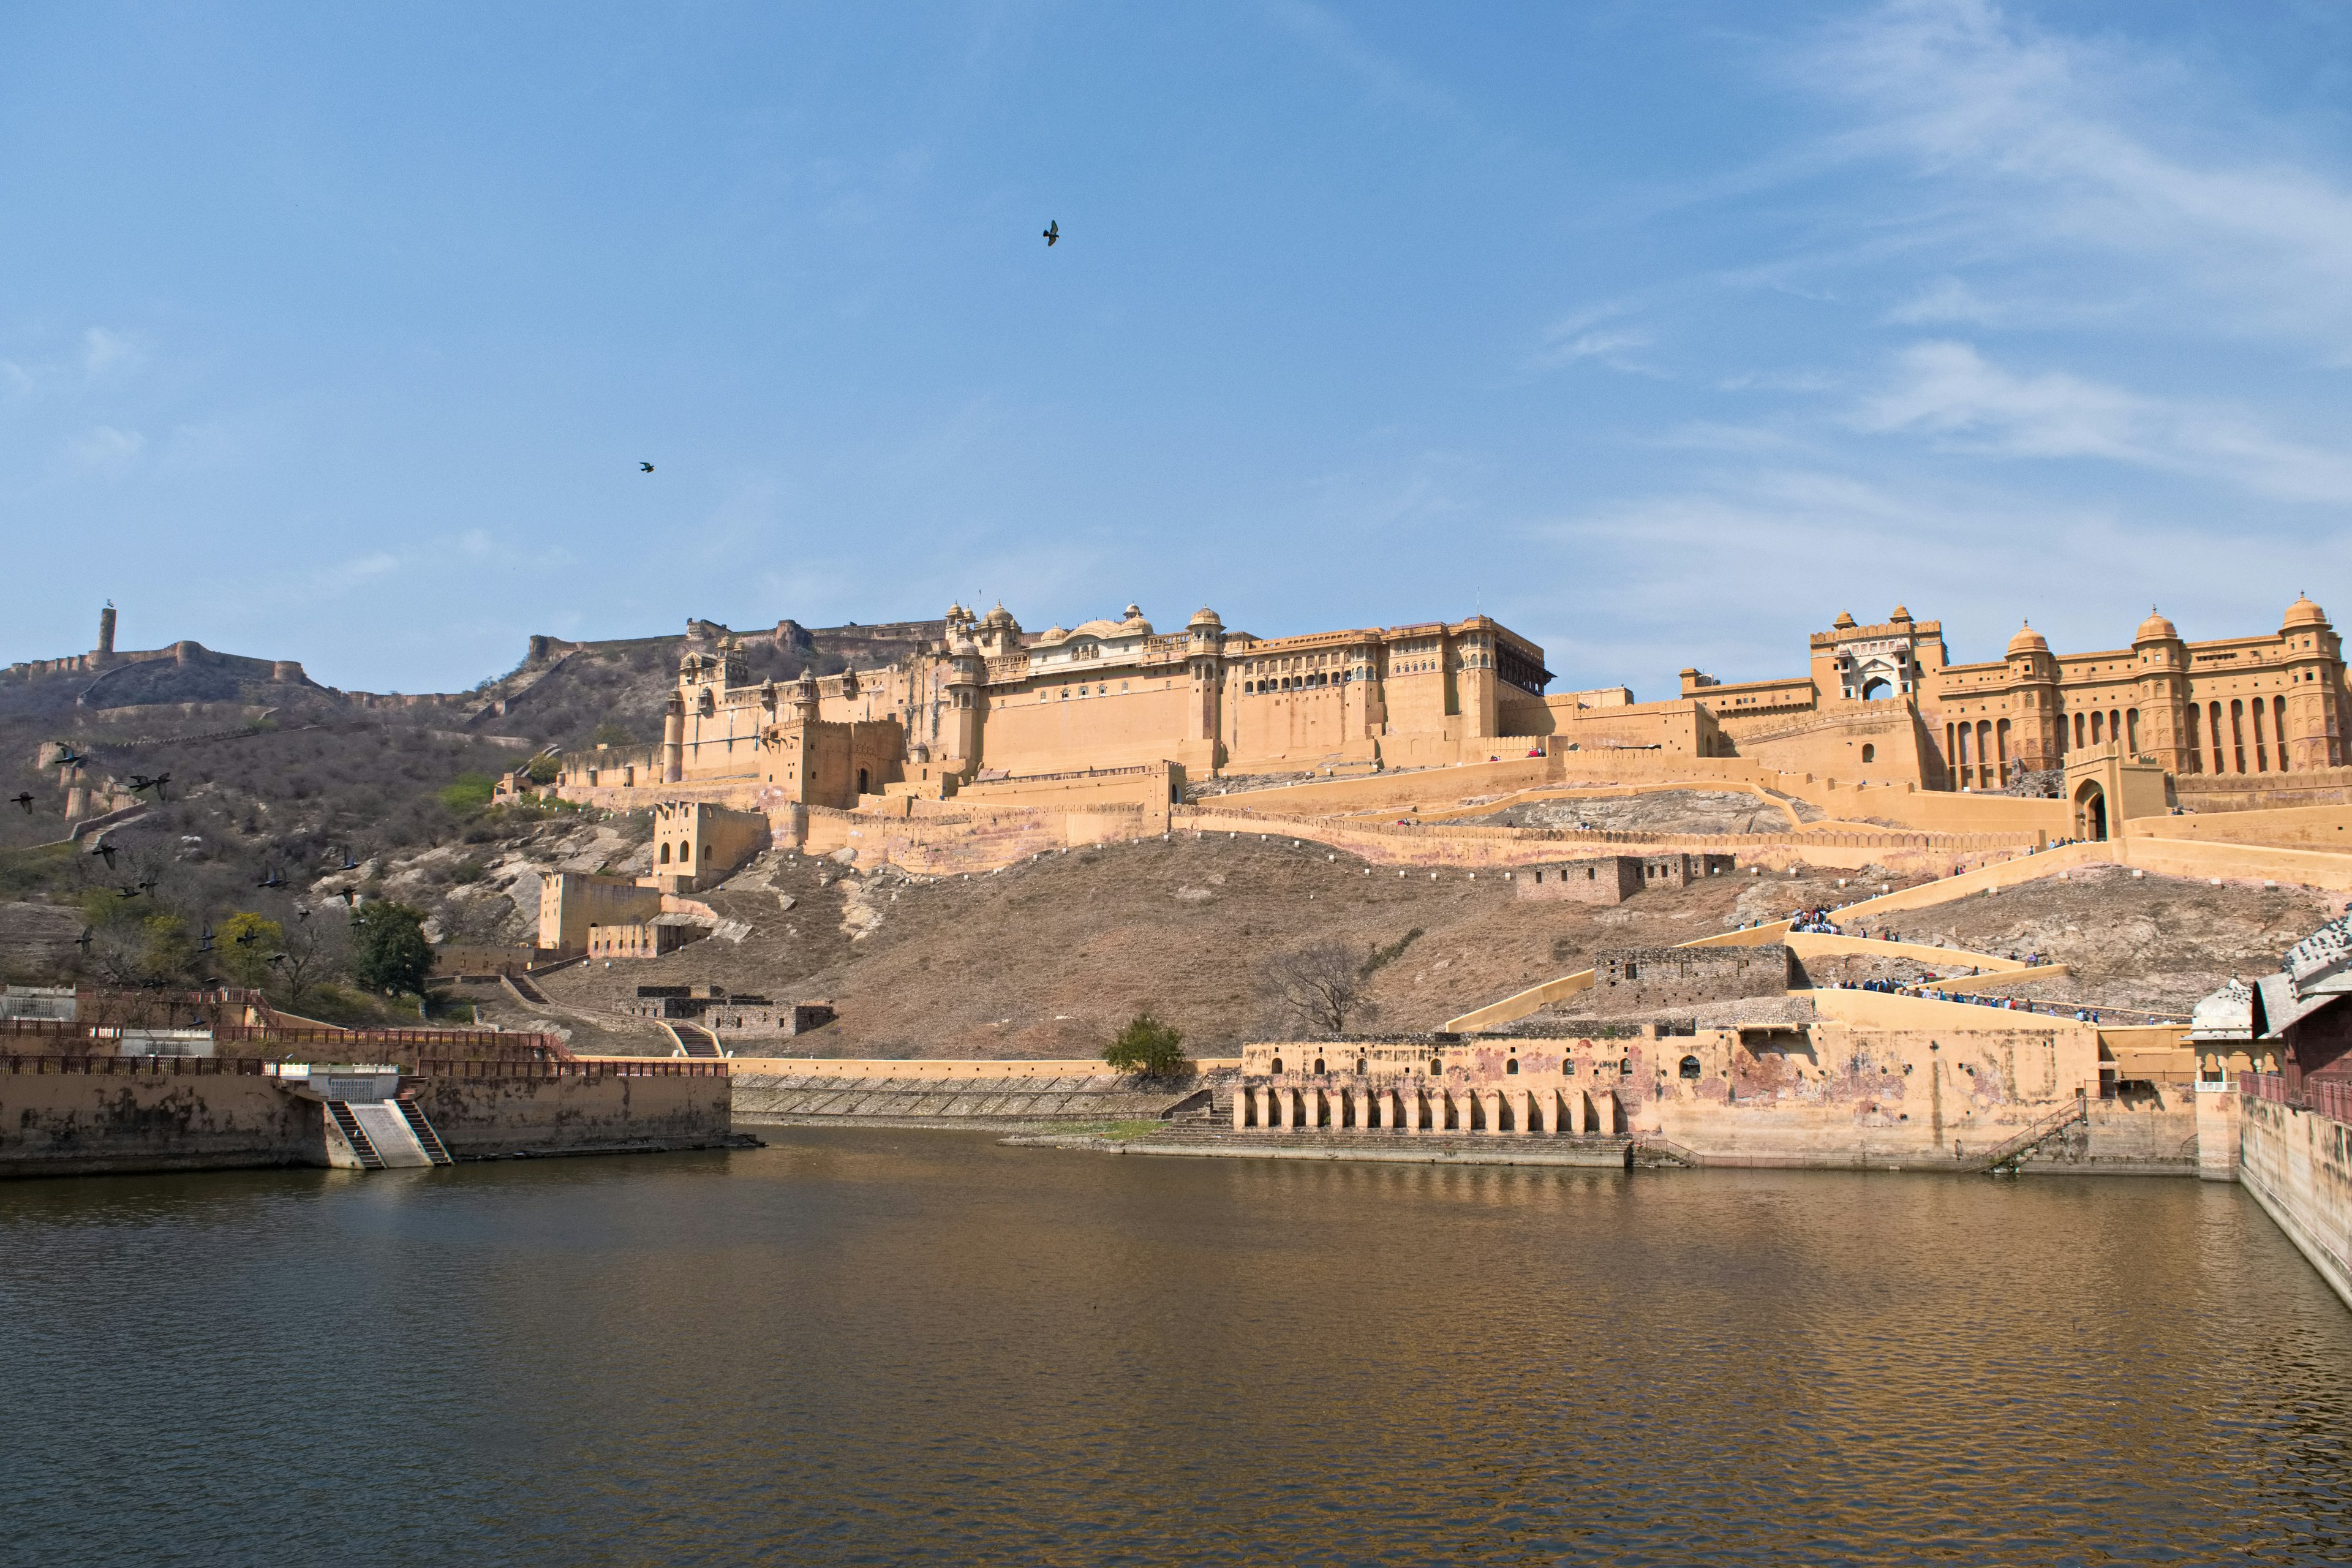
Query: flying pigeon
[[272, 881], [68, 757], [84, 942], [106, 852], [644, 467], [26, 800], [1052, 233]]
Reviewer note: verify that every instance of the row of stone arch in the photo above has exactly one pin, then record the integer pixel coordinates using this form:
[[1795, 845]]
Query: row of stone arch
[[1435, 1108]]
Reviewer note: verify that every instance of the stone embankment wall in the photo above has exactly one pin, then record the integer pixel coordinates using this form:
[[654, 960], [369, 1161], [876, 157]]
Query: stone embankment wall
[[575, 1113], [2299, 1165], [132, 1115], [71, 1123]]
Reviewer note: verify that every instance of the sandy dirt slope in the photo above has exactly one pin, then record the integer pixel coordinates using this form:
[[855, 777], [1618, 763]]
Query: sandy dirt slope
[[1048, 958]]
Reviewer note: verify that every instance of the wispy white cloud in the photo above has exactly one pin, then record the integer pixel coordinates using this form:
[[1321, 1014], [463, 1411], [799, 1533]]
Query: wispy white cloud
[[1774, 550], [1598, 333], [2067, 141], [107, 449], [1386, 79], [105, 351], [345, 576], [1949, 299], [1950, 391]]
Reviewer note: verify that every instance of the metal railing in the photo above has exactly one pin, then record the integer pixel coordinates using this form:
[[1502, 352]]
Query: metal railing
[[149, 1067], [426, 1067], [2012, 1150]]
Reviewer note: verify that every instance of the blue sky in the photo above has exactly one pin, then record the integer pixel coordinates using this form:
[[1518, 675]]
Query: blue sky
[[1661, 331]]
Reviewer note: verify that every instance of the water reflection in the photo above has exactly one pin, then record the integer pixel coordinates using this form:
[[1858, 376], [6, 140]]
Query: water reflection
[[886, 1346]]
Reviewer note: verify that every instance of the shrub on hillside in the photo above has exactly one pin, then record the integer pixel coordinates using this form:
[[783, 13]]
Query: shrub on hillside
[[1150, 1048], [389, 952]]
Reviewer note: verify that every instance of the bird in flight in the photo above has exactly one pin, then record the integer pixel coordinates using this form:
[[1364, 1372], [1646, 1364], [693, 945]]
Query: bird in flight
[[68, 758], [26, 800], [141, 783], [644, 467], [271, 880], [106, 852], [1052, 233]]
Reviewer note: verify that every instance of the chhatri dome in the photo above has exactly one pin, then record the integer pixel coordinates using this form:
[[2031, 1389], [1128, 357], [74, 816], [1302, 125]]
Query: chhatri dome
[[2155, 628], [2027, 640], [2303, 613]]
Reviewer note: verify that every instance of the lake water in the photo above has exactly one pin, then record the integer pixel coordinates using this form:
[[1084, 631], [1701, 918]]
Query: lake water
[[883, 1347]]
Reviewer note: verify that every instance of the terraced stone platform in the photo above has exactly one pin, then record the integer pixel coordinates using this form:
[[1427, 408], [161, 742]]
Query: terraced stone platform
[[785, 1099]]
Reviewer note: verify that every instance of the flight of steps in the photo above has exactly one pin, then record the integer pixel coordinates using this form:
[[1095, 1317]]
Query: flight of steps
[[386, 1133], [694, 1041], [421, 1128], [353, 1134]]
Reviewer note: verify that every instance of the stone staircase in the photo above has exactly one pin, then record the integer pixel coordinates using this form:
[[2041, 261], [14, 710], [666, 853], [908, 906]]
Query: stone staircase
[[2013, 1152], [355, 1135], [421, 1128]]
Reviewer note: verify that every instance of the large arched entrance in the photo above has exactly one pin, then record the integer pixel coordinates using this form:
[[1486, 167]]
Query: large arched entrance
[[1876, 687], [2090, 811]]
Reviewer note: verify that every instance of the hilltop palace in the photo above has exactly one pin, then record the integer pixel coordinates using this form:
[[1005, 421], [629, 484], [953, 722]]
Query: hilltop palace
[[975, 701]]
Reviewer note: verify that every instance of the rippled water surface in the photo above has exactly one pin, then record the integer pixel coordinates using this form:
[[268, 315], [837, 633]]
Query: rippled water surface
[[875, 1346]]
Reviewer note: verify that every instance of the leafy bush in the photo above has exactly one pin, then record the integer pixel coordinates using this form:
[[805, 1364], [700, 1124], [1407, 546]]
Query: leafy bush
[[471, 793], [247, 942], [389, 952], [1150, 1048]]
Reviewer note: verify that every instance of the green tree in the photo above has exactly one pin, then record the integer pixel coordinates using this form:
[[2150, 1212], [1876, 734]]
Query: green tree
[[389, 952], [469, 793], [247, 942], [165, 951], [1150, 1048]]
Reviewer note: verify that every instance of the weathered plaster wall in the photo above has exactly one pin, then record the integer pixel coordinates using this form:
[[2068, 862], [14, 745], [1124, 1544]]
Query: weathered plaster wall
[[477, 1118], [2299, 1165], [65, 1123]]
